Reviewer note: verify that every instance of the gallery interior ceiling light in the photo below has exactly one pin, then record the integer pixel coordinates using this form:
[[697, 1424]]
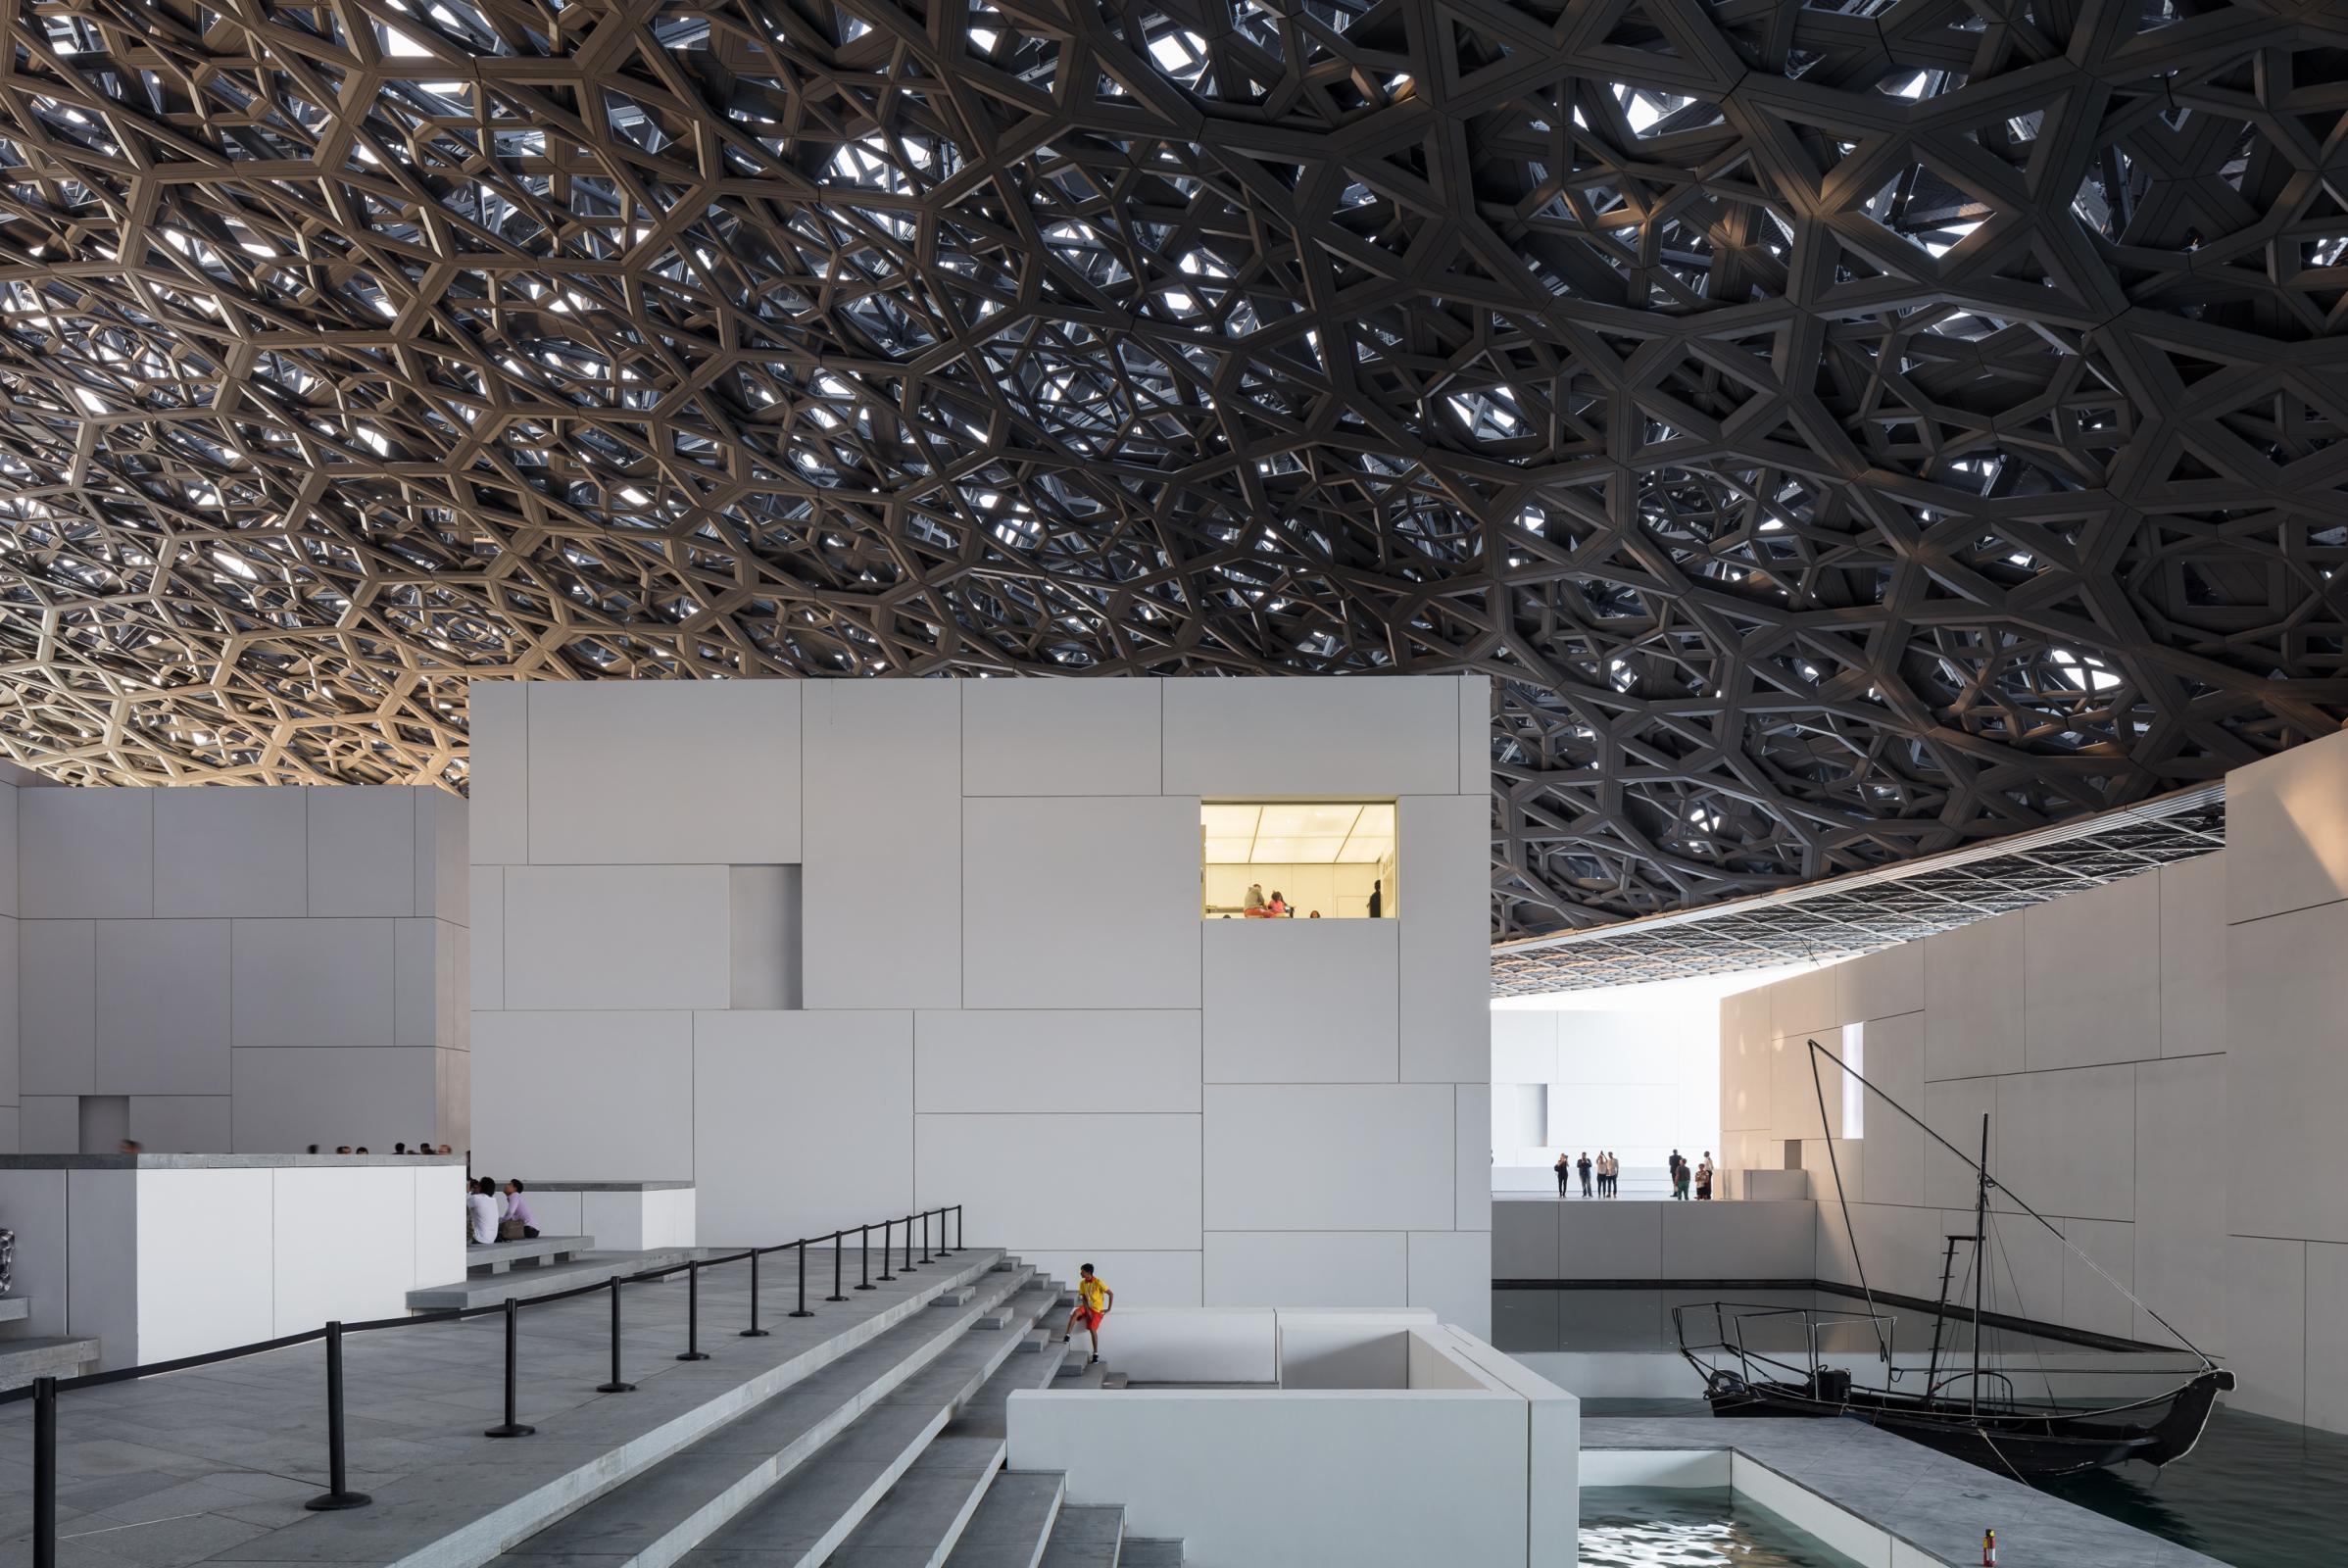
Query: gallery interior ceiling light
[[1321, 833], [1846, 430]]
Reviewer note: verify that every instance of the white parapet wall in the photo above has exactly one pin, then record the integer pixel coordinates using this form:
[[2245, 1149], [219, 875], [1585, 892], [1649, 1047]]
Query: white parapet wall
[[166, 1255], [1387, 1439], [621, 1216]]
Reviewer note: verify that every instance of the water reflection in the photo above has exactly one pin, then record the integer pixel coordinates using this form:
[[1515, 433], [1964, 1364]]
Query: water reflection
[[1640, 1526]]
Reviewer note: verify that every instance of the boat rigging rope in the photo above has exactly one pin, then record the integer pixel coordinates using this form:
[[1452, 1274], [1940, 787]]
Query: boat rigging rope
[[1858, 1261]]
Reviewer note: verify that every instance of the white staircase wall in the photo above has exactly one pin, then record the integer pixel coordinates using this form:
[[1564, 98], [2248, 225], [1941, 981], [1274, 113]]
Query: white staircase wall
[[1010, 999]]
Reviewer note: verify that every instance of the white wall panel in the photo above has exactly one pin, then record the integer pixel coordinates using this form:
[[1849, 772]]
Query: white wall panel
[[162, 1007], [839, 1085], [86, 852], [1140, 1279], [1891, 1152], [1080, 902], [1747, 1062], [2286, 1075], [1036, 1183], [704, 772], [2192, 900], [1808, 1003], [488, 934], [286, 1100], [1739, 1241], [618, 936], [443, 843], [453, 1098], [49, 1124], [1885, 984], [882, 879], [1472, 1156], [497, 772], [2099, 1303], [2093, 966], [431, 965], [102, 1237], [1451, 1272], [1057, 1059], [1475, 734], [1060, 737], [344, 1244], [2180, 1197], [361, 849], [58, 1006], [1798, 1078], [1329, 1157], [1973, 1005], [1955, 1110], [767, 937], [1301, 1001], [2065, 1141], [181, 1124], [209, 1232], [1281, 735], [1307, 1268], [8, 849], [2286, 835], [1525, 1238], [223, 852], [1444, 862], [624, 1078], [1524, 1047], [2266, 1325], [312, 982], [2327, 1336]]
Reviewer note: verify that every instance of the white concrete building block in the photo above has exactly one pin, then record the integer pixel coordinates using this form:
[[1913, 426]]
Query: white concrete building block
[[881, 884], [2267, 1325], [1526, 1239], [86, 853], [2286, 1075], [57, 1001], [1524, 1047], [497, 718], [1610, 1241], [8, 850], [628, 937], [1061, 737], [2193, 981], [49, 1124], [361, 850], [453, 1098], [1799, 1078], [1974, 1029], [2180, 1198], [210, 1232], [162, 1007], [2098, 1302], [355, 1234], [2092, 991], [1451, 1272], [181, 1124], [1883, 985], [286, 1100], [1284, 735], [1301, 1000], [431, 960], [1057, 1059], [1140, 1279], [1040, 878], [1747, 1062], [705, 772], [1954, 1111], [1891, 1153], [488, 936], [1307, 1268], [1049, 1182], [1472, 1156], [312, 982], [221, 851], [1809, 1004], [1444, 861], [2286, 834], [842, 1083], [443, 885], [539, 1077], [1329, 1157], [1754, 1241]]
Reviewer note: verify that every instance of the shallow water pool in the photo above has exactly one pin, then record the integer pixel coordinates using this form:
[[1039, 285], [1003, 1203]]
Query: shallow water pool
[[1682, 1527]]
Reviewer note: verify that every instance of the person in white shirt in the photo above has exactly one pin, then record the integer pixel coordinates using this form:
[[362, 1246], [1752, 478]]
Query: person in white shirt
[[480, 1207]]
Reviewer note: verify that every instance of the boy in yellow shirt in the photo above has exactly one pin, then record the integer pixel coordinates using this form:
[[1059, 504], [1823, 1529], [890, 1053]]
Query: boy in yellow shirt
[[1092, 1301]]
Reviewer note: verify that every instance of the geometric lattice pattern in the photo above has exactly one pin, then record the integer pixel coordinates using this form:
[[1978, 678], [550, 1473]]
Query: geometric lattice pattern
[[1849, 430], [1865, 910]]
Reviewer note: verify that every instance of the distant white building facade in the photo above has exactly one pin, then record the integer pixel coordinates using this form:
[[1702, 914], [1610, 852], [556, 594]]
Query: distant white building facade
[[838, 950]]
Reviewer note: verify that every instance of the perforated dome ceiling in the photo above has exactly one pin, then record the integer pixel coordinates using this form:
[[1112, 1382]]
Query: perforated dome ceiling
[[1846, 431]]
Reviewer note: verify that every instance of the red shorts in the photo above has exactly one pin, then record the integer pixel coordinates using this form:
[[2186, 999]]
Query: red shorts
[[1089, 1318]]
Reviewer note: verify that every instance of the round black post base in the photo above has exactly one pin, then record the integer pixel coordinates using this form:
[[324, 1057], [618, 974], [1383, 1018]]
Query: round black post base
[[330, 1502], [802, 1313], [754, 1334], [508, 1429], [693, 1355], [615, 1387]]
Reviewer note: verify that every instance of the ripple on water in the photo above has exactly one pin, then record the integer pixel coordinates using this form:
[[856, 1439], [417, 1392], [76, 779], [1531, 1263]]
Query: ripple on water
[[1677, 1527], [2256, 1493]]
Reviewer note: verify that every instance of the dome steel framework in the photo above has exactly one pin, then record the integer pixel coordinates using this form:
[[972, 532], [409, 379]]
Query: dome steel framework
[[1848, 431]]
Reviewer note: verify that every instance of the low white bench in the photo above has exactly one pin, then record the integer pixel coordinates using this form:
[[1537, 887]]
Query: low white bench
[[496, 1258]]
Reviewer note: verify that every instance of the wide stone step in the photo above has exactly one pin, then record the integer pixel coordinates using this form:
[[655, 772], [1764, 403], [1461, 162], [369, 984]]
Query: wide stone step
[[547, 1279], [22, 1360], [1149, 1552], [672, 1507], [1012, 1521], [1085, 1538], [814, 1512]]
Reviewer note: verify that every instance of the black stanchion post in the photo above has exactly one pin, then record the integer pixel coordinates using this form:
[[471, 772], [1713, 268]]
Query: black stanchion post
[[693, 1350], [906, 1268], [44, 1472], [925, 1235], [941, 1249], [888, 1229], [864, 1258], [801, 1309], [754, 1332], [615, 1386], [511, 1428], [958, 1245], [338, 1494], [839, 1251]]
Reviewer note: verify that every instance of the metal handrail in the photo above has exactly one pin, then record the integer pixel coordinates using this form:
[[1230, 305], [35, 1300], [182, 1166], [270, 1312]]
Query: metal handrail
[[44, 1392]]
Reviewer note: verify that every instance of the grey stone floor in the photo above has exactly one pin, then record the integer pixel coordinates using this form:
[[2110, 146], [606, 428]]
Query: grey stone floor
[[1937, 1504], [216, 1463]]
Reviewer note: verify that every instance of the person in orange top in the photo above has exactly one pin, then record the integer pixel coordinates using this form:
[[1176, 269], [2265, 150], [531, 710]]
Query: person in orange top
[[1092, 1301]]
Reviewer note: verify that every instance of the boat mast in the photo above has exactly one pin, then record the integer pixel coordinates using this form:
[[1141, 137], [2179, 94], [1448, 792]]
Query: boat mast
[[1981, 1227]]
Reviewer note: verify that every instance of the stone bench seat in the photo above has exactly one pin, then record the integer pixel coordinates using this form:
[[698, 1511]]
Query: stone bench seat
[[496, 1258], [14, 1309], [545, 1279], [46, 1356]]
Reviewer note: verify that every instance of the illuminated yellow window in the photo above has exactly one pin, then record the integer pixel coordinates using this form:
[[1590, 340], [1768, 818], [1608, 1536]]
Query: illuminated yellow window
[[1298, 860]]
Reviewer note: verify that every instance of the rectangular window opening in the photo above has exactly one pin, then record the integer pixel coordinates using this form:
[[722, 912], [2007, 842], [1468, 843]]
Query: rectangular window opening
[[1298, 861]]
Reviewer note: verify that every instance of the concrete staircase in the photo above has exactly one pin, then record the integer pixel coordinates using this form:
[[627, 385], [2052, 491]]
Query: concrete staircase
[[889, 1456]]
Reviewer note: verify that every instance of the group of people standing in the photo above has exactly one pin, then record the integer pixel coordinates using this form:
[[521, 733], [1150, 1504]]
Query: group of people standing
[[1683, 1174], [1605, 1169]]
